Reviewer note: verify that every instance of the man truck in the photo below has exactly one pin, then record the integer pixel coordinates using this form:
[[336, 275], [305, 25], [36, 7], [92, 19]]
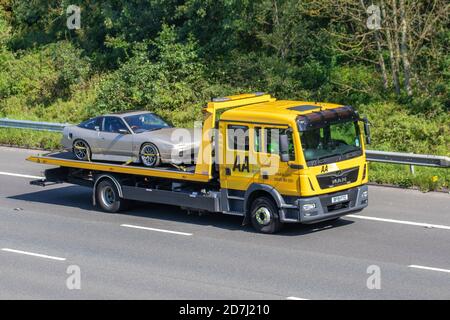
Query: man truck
[[270, 161]]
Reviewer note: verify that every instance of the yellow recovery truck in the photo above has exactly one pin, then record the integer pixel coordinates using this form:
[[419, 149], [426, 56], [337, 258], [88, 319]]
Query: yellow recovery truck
[[269, 161]]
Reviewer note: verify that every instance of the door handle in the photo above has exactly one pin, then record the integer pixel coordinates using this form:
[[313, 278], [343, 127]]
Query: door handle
[[228, 171]]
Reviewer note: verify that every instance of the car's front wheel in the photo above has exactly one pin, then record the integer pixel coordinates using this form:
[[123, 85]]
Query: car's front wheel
[[149, 155], [81, 150]]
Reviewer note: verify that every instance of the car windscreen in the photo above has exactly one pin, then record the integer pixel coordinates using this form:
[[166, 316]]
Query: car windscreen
[[146, 122]]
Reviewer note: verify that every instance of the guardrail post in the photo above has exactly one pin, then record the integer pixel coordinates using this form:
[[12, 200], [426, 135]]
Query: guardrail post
[[412, 169]]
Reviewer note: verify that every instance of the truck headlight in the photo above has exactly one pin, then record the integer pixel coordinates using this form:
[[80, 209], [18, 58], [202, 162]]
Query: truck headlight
[[309, 206], [364, 194]]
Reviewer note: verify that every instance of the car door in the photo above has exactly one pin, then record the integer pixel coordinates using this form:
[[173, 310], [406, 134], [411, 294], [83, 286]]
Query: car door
[[89, 131], [112, 140]]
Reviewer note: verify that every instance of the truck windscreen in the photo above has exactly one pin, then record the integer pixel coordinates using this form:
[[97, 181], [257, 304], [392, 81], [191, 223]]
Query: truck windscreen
[[330, 136]]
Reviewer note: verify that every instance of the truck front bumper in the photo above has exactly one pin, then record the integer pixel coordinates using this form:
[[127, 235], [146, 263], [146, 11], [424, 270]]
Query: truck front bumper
[[322, 207]]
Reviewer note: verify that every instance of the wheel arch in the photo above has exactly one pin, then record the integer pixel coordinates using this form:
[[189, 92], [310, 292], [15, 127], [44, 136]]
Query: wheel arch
[[103, 177], [80, 139], [74, 140], [257, 190], [148, 142]]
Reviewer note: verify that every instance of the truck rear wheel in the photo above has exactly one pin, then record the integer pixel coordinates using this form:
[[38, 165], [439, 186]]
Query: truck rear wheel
[[107, 197], [264, 215]]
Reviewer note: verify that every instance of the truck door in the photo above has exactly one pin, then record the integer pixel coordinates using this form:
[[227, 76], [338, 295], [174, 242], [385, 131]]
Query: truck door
[[269, 169], [236, 170]]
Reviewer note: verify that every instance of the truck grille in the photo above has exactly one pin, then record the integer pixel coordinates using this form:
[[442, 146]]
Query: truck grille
[[338, 178]]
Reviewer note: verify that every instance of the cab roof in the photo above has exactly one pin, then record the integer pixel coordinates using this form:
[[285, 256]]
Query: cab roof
[[273, 111]]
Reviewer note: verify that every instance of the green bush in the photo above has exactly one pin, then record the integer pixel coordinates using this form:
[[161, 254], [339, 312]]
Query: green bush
[[170, 81], [30, 139], [394, 128], [42, 76]]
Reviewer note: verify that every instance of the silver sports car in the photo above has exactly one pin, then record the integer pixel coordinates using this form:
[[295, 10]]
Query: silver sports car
[[139, 136]]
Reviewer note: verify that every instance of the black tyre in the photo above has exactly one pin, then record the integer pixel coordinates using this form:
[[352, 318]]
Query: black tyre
[[107, 197], [81, 150], [264, 215], [149, 155]]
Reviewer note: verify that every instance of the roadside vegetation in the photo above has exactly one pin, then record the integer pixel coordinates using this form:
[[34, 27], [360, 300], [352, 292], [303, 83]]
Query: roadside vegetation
[[171, 57]]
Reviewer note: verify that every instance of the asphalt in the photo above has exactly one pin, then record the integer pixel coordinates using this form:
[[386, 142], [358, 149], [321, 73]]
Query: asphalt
[[214, 257]]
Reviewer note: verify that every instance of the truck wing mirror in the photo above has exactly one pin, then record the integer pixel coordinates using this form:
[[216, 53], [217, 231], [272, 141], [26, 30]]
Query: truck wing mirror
[[367, 130], [284, 148]]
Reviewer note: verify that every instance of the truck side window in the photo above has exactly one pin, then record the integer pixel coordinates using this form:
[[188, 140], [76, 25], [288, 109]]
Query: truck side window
[[238, 137], [291, 144], [258, 140], [272, 141]]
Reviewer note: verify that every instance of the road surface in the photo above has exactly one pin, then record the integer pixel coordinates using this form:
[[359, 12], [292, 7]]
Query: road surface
[[160, 252]]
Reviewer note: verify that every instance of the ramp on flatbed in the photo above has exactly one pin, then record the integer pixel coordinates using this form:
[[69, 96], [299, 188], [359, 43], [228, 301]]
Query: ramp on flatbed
[[65, 159]]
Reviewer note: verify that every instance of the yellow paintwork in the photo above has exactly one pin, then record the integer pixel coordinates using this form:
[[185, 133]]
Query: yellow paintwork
[[286, 180], [117, 168], [252, 110]]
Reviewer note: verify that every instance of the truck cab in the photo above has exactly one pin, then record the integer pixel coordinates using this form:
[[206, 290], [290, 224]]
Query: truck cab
[[307, 158]]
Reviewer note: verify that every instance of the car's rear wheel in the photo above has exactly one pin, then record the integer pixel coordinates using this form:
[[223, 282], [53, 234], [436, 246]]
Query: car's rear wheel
[[81, 150], [149, 155]]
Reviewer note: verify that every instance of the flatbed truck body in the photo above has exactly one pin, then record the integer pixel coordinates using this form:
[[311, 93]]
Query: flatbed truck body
[[264, 184]]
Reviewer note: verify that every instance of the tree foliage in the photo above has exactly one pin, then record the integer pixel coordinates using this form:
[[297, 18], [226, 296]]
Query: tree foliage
[[172, 56]]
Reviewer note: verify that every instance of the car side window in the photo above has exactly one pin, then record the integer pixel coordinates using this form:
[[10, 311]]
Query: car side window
[[113, 124], [91, 124]]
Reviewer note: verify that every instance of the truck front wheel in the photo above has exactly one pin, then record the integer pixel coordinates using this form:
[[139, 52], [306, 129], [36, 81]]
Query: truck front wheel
[[264, 215], [107, 197]]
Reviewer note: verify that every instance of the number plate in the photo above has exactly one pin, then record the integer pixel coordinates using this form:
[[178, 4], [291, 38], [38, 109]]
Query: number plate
[[341, 198]]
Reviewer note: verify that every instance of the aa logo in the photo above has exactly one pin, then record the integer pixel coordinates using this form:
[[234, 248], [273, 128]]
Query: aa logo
[[324, 169], [241, 167]]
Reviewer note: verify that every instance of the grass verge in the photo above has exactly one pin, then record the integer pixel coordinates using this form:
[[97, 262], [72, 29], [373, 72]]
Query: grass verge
[[30, 139]]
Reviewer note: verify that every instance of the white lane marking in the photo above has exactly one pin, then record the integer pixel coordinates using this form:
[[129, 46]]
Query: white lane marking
[[429, 268], [19, 175], [33, 254], [153, 229], [295, 298], [419, 224]]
